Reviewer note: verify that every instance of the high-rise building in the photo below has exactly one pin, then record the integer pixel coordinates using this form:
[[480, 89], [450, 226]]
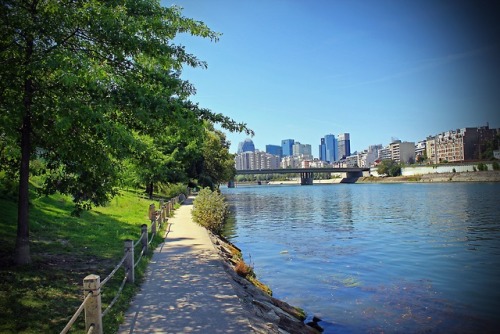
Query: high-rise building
[[301, 149], [246, 146], [274, 150], [343, 145], [328, 148], [287, 147]]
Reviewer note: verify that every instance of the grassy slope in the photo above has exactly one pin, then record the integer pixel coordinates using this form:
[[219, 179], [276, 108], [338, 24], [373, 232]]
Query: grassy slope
[[42, 297]]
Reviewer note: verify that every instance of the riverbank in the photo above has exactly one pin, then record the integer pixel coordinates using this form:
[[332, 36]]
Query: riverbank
[[266, 314], [479, 176]]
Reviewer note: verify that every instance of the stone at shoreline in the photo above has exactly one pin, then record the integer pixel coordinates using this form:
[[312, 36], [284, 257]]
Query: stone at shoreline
[[267, 314]]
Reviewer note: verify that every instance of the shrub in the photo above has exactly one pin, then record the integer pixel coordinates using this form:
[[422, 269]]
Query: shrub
[[210, 210], [482, 166], [496, 166], [454, 170]]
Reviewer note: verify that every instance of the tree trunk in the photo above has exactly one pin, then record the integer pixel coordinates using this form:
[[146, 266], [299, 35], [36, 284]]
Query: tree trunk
[[150, 190], [22, 250]]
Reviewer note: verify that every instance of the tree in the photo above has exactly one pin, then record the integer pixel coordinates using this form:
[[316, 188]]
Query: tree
[[82, 85], [389, 167], [218, 163]]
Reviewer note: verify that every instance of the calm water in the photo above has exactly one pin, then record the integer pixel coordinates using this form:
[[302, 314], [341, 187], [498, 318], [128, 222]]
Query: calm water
[[377, 257]]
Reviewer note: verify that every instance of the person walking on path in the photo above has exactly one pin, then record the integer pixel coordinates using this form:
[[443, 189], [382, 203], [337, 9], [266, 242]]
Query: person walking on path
[[186, 289]]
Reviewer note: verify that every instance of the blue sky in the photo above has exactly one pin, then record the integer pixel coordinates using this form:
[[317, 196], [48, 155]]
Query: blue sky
[[375, 69]]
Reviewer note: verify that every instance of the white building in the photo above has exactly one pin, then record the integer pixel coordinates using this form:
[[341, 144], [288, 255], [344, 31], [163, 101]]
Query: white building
[[402, 151], [256, 160]]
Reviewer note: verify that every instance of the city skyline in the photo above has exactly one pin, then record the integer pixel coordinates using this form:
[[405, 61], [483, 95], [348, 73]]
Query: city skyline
[[378, 70]]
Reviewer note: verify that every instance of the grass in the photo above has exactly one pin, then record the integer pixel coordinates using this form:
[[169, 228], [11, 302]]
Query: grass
[[42, 297]]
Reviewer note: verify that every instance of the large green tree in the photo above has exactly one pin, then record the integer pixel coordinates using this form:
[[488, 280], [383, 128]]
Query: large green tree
[[82, 84], [218, 163]]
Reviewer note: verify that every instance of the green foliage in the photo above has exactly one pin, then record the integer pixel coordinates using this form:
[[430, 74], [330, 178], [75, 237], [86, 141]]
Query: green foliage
[[496, 165], [218, 163], [482, 166], [389, 167], [171, 190], [454, 171], [210, 210], [90, 86]]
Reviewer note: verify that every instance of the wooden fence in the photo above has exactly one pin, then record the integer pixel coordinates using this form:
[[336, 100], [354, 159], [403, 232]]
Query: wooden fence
[[92, 284]]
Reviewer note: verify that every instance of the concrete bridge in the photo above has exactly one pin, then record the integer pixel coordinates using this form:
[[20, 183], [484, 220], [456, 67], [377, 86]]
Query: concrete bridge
[[307, 174]]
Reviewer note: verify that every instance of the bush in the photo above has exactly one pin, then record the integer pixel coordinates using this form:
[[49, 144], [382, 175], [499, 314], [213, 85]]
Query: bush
[[210, 210], [172, 189], [496, 166], [482, 167]]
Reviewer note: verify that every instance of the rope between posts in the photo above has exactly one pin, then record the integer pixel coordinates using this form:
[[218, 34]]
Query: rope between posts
[[114, 270], [116, 297], [138, 241], [152, 237], [77, 313], [140, 257]]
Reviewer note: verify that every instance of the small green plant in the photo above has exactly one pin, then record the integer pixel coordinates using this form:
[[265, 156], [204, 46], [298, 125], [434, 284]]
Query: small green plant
[[454, 170], [482, 167], [210, 210], [495, 165], [474, 168]]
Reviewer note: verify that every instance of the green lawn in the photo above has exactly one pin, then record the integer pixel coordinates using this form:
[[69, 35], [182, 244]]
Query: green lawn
[[41, 298]]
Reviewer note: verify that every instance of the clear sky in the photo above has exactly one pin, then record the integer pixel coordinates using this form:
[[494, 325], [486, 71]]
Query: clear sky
[[378, 70]]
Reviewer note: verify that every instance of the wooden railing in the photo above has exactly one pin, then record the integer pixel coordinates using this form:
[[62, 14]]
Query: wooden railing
[[92, 284]]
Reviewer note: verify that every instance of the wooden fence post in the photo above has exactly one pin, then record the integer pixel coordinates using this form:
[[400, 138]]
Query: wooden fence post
[[93, 312], [128, 248], [153, 223], [151, 211], [144, 236]]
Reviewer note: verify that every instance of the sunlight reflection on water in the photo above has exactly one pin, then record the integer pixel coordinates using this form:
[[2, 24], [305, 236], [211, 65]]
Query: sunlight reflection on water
[[377, 257]]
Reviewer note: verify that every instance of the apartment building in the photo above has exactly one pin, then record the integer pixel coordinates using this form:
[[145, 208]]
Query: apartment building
[[420, 149], [402, 151], [256, 160], [459, 145]]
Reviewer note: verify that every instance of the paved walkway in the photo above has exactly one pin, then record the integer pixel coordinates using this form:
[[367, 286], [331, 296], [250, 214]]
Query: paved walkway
[[186, 289]]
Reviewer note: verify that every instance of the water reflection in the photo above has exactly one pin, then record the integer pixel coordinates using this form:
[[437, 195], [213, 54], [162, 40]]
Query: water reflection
[[405, 258]]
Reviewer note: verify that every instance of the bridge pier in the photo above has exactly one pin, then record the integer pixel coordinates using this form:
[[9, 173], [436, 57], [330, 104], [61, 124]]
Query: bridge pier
[[306, 178], [352, 177]]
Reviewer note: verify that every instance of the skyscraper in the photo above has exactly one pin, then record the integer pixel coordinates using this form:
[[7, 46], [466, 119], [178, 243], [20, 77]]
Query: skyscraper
[[328, 149], [344, 145], [287, 147], [246, 146], [274, 150]]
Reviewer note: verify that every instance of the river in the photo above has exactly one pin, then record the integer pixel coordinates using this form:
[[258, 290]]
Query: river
[[377, 257]]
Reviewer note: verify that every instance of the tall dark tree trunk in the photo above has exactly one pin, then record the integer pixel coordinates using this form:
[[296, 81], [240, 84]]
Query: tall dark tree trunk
[[22, 251], [150, 190]]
